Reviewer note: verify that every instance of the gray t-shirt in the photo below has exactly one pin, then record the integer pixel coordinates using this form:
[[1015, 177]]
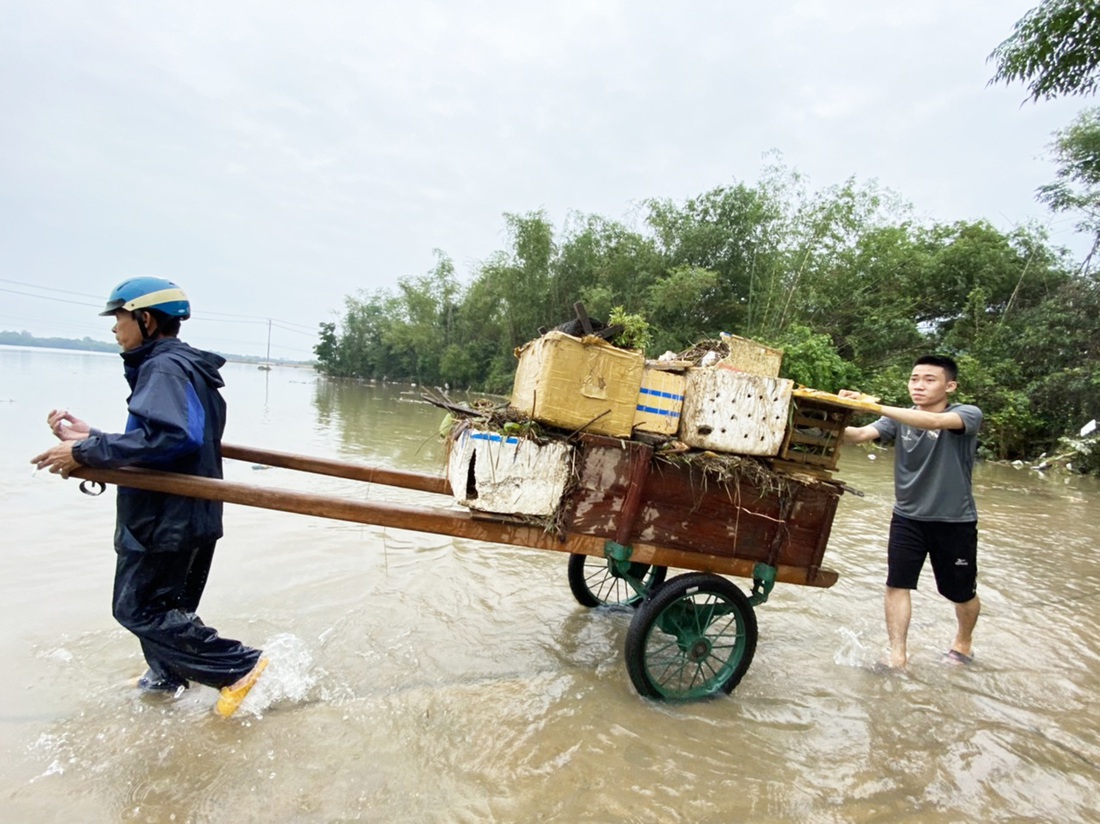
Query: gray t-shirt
[[932, 467]]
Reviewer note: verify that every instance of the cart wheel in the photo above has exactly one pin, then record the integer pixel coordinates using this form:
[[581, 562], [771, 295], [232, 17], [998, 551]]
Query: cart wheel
[[598, 582], [694, 637]]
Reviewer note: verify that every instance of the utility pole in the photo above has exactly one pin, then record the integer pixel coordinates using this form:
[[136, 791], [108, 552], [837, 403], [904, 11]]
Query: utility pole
[[267, 362]]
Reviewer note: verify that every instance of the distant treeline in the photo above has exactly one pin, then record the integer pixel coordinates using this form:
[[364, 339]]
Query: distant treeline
[[89, 345], [27, 339], [843, 279]]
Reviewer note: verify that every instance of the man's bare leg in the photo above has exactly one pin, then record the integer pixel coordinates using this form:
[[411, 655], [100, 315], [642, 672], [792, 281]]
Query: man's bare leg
[[899, 609], [967, 616]]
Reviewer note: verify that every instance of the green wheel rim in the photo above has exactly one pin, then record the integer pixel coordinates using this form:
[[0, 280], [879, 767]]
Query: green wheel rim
[[595, 582], [695, 638]]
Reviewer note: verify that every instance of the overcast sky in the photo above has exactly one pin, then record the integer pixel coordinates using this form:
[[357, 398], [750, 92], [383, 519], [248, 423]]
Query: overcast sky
[[274, 157]]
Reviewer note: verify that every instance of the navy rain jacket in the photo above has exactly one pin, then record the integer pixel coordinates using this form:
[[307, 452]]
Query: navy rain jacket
[[176, 421]]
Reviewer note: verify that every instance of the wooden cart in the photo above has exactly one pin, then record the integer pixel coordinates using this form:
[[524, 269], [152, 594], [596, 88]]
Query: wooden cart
[[629, 516]]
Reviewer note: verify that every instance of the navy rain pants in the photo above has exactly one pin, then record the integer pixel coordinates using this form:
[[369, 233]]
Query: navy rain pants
[[156, 594]]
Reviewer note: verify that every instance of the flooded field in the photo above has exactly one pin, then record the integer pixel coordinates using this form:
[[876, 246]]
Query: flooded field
[[419, 678]]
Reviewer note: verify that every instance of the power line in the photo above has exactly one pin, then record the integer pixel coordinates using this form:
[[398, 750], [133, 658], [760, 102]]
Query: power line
[[234, 315], [286, 348], [50, 288], [47, 297], [310, 334], [206, 319], [302, 326], [258, 319], [276, 324], [213, 317]]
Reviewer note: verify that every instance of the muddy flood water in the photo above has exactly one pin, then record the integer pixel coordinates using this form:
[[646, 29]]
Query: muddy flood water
[[420, 678]]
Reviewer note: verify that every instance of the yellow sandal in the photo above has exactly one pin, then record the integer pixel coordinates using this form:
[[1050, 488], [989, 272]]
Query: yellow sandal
[[232, 696]]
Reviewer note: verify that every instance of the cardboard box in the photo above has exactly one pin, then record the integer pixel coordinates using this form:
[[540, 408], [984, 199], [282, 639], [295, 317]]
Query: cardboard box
[[660, 400], [578, 384], [497, 473], [752, 357], [735, 412]]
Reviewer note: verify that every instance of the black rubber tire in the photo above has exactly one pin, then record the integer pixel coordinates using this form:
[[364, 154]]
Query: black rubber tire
[[676, 650], [595, 585]]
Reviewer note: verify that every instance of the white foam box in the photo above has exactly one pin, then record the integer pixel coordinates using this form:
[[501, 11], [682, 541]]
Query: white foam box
[[660, 401], [506, 475], [735, 412], [581, 384]]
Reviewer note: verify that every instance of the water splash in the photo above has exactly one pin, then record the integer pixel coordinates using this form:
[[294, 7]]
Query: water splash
[[289, 678], [59, 654], [58, 749], [852, 652]]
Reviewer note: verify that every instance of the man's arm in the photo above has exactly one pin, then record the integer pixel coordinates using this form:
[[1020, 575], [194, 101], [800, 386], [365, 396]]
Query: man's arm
[[860, 434], [916, 418], [920, 419], [910, 417]]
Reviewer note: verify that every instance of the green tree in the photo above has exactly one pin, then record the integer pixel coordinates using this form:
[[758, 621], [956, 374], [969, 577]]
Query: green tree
[[810, 359], [603, 264], [673, 303], [356, 348], [510, 298], [1054, 48], [729, 231], [841, 279], [520, 279], [1077, 185], [327, 349], [425, 325], [485, 336], [863, 298], [974, 274], [1009, 420], [822, 239], [1058, 352]]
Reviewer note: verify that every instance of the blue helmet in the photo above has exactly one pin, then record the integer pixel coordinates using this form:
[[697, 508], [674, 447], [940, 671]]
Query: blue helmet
[[149, 293]]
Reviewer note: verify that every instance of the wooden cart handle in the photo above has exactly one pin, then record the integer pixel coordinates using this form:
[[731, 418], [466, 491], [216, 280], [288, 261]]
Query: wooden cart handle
[[339, 469], [458, 524]]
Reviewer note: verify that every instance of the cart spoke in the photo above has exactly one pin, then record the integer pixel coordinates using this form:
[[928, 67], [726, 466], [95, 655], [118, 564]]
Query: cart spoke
[[669, 667], [694, 637], [597, 582], [671, 644]]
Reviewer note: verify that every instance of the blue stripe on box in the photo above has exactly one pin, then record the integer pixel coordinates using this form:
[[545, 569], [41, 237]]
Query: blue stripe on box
[[493, 437], [654, 411], [658, 394]]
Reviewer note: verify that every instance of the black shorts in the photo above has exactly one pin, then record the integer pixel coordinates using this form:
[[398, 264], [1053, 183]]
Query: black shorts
[[953, 548]]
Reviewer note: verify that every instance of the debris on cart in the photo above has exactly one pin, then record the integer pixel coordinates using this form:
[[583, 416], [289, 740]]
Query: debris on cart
[[718, 409], [726, 453]]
